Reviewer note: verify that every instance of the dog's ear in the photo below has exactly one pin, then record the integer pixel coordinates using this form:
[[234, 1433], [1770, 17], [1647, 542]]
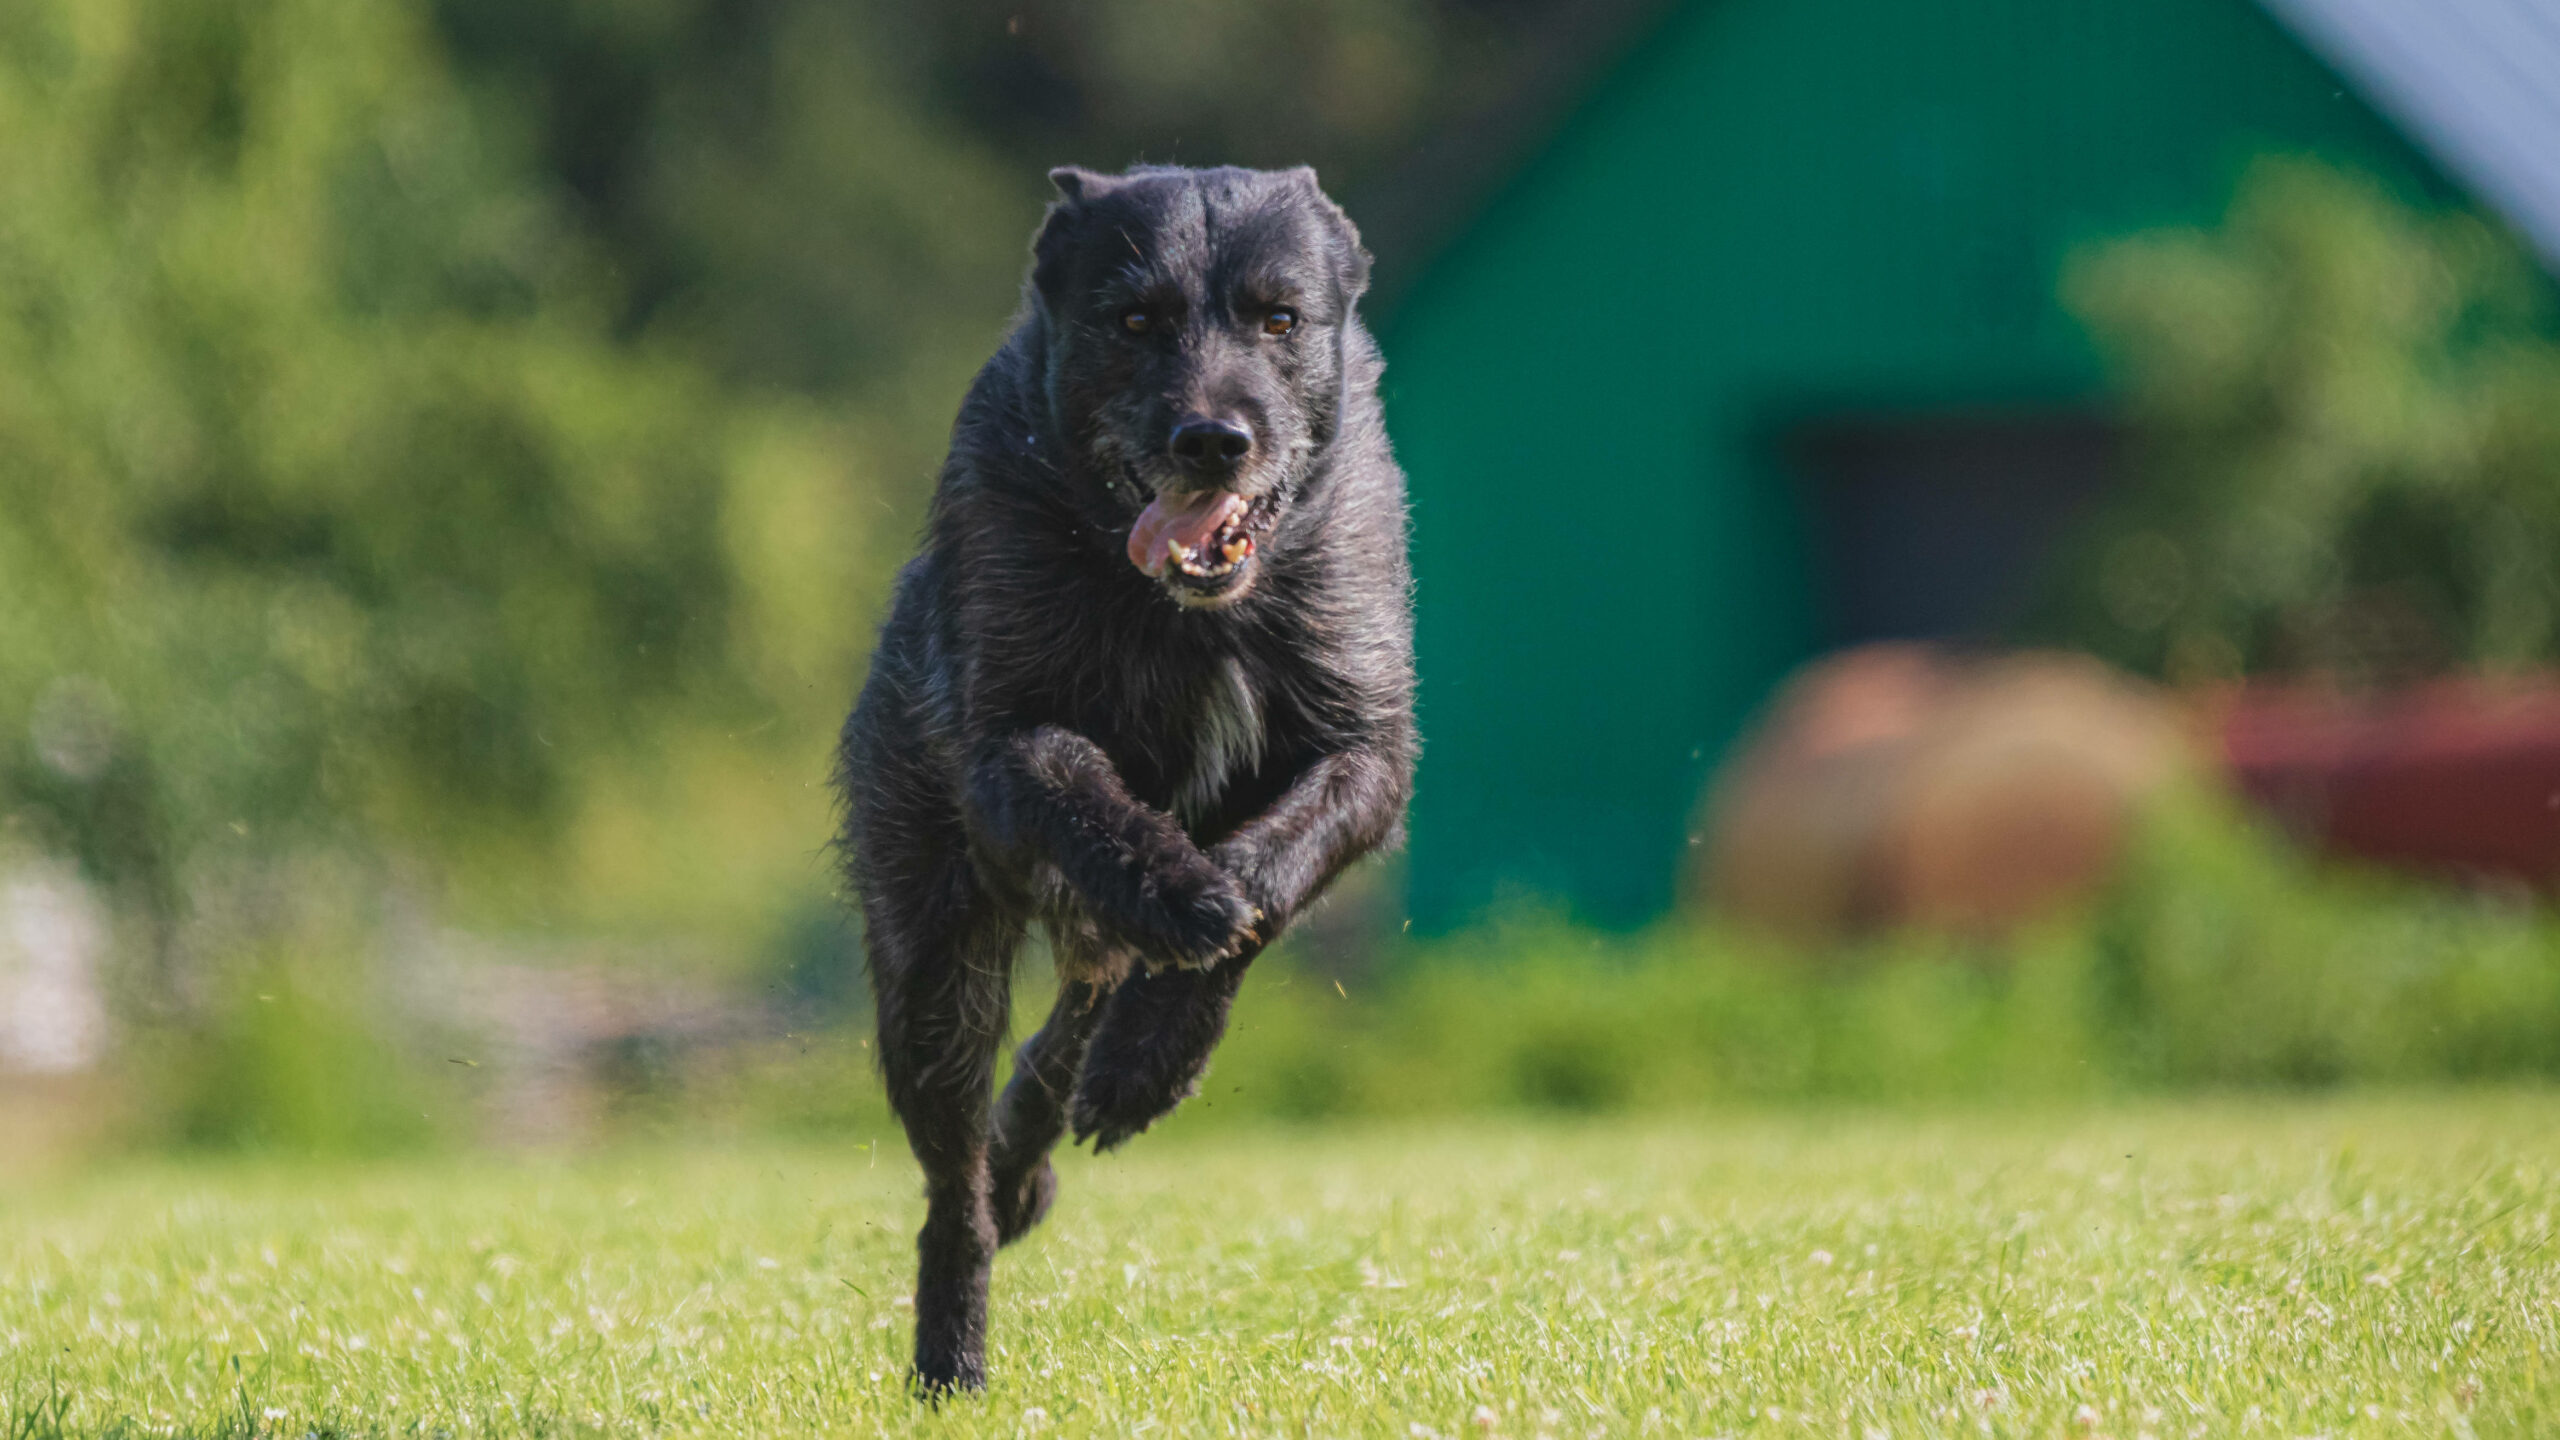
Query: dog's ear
[[1351, 267], [1076, 186], [1074, 182]]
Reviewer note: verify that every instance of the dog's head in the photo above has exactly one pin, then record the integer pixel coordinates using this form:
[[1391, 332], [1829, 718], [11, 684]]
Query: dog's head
[[1196, 327]]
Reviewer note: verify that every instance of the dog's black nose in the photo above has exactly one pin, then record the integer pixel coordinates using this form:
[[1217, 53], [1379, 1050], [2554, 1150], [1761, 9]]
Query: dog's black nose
[[1204, 444]]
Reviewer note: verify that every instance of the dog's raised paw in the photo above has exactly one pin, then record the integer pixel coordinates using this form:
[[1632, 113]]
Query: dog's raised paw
[[1022, 1203], [1114, 1106], [1108, 1126], [1201, 917]]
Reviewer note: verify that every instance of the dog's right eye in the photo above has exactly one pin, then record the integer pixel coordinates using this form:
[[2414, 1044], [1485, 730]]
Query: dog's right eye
[[1136, 322]]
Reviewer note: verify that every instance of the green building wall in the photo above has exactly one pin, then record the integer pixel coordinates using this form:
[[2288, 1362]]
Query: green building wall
[[1772, 207]]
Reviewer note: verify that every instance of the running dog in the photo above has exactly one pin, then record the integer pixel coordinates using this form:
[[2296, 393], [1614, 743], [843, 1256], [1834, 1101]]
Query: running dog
[[1148, 685]]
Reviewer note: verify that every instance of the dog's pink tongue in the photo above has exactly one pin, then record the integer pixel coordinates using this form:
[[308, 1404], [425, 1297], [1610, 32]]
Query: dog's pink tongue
[[1186, 520]]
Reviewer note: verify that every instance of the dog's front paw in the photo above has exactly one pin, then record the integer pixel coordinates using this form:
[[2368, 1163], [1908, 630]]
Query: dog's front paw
[[1115, 1102], [1151, 1049], [1194, 917]]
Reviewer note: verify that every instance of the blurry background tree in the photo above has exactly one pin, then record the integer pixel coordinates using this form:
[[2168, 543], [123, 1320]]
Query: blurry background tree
[[453, 449], [338, 526], [817, 194], [2346, 416]]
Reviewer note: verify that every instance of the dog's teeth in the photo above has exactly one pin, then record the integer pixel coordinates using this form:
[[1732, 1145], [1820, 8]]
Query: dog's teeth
[[1233, 549]]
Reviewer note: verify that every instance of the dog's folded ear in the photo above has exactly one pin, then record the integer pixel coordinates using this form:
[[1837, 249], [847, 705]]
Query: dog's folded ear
[[1076, 185], [1352, 259], [1075, 182]]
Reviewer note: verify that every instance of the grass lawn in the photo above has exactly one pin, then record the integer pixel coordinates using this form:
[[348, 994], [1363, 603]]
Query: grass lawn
[[2280, 1268]]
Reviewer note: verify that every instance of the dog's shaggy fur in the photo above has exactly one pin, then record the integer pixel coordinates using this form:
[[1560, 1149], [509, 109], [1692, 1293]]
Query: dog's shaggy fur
[[1160, 763]]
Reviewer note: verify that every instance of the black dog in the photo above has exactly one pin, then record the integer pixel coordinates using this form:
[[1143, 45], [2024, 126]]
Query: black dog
[[1149, 684]]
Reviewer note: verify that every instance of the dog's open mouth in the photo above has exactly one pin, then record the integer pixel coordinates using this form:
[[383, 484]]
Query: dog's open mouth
[[1200, 542]]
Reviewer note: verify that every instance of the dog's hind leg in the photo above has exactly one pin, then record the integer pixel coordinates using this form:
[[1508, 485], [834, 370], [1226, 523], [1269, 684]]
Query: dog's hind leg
[[1032, 1113], [1153, 1046], [941, 972]]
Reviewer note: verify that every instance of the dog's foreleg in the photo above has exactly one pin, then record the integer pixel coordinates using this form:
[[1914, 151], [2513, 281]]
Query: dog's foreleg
[[1052, 793], [1153, 1046], [1158, 1030], [1338, 809]]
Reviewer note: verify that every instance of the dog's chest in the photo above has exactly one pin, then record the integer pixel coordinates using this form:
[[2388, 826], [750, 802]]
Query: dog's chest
[[1226, 732]]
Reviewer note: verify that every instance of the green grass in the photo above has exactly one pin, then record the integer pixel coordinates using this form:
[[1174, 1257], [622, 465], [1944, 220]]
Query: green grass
[[2281, 1268]]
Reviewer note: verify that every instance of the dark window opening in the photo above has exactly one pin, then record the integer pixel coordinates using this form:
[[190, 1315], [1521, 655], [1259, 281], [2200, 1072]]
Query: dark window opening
[[1941, 526]]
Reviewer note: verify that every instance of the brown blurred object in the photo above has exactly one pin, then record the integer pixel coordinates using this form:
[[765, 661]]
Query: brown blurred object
[[50, 1122], [1895, 785], [2458, 777]]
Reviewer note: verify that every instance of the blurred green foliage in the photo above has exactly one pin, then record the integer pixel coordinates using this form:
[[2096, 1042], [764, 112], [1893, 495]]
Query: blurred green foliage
[[287, 1057], [816, 193], [2222, 959], [328, 510], [2347, 423]]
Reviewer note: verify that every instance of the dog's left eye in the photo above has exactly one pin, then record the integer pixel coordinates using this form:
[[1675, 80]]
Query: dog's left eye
[[1279, 322], [1135, 321]]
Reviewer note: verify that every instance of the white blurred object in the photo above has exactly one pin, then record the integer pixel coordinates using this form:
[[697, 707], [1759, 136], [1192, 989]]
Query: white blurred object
[[2477, 83], [53, 936]]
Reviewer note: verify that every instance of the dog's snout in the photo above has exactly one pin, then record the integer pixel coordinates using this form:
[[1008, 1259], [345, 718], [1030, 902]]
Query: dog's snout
[[1203, 443]]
